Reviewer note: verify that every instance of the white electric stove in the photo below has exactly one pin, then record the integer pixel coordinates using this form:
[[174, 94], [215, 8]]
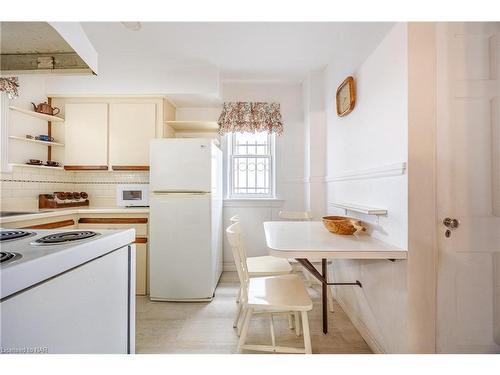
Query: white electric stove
[[67, 291]]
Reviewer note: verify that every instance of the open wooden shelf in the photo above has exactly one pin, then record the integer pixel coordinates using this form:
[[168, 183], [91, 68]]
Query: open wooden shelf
[[34, 166], [41, 116], [361, 209], [194, 126], [24, 139]]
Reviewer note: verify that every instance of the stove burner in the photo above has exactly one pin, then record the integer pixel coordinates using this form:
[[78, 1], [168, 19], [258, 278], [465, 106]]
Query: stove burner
[[6, 256], [6, 235], [65, 237]]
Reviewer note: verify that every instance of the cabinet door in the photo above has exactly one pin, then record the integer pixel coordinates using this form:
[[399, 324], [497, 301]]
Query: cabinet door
[[86, 136], [131, 127], [141, 259], [113, 221]]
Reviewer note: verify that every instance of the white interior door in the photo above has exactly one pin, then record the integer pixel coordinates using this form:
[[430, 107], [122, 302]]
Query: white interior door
[[468, 141]]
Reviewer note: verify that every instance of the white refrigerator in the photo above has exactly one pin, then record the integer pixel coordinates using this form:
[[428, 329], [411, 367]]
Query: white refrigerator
[[185, 254]]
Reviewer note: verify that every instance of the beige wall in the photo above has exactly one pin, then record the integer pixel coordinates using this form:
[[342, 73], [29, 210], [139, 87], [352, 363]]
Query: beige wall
[[422, 216], [21, 187], [289, 162], [394, 122], [373, 138]]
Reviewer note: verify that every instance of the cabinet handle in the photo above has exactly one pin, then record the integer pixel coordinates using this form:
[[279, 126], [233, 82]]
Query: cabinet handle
[[53, 225], [130, 167], [86, 167], [113, 220]]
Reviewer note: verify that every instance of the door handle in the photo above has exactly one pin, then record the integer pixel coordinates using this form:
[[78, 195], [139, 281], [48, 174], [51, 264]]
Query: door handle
[[451, 223]]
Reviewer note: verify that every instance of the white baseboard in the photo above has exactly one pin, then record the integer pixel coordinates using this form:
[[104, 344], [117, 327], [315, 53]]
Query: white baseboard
[[228, 267], [361, 327]]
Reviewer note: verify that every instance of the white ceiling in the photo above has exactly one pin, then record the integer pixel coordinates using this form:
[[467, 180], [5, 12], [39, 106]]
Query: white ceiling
[[281, 51]]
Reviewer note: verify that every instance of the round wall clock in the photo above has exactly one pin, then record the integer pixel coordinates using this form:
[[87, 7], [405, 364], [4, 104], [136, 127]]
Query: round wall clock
[[346, 97]]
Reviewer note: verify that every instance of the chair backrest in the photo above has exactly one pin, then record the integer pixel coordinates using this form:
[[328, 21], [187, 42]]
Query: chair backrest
[[295, 215], [234, 219], [234, 237]]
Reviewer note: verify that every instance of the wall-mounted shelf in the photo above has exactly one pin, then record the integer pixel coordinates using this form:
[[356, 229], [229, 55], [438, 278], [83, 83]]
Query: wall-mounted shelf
[[34, 166], [194, 126], [360, 209], [36, 141], [41, 116]]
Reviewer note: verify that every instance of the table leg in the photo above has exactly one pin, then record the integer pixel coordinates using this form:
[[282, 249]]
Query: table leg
[[324, 296], [322, 277]]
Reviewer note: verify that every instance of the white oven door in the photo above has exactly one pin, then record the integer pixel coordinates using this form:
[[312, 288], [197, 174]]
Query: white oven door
[[86, 310]]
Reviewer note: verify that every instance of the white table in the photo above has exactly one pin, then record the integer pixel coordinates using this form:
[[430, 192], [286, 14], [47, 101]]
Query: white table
[[304, 240]]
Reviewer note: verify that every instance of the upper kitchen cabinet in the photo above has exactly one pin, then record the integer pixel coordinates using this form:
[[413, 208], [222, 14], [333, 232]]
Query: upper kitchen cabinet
[[131, 127], [86, 136]]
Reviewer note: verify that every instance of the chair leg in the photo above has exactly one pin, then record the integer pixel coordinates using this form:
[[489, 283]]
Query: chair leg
[[290, 321], [237, 317], [244, 330], [297, 324], [239, 296], [241, 320], [271, 326], [307, 335], [329, 295]]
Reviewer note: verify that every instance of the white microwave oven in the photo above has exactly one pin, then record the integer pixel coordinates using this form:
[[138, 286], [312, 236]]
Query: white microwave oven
[[133, 195]]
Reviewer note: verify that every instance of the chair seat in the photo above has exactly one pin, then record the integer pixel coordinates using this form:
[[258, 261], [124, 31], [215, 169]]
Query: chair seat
[[286, 292], [268, 266]]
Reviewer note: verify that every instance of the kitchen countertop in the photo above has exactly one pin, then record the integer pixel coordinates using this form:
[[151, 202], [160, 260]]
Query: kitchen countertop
[[42, 214]]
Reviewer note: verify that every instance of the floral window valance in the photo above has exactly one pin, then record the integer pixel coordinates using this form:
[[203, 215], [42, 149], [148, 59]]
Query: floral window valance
[[9, 85], [250, 117]]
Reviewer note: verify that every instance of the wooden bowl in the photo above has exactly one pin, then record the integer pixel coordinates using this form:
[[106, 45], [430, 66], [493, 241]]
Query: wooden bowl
[[342, 224]]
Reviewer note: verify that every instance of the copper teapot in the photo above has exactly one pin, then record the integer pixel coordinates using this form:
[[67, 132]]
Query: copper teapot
[[45, 108]]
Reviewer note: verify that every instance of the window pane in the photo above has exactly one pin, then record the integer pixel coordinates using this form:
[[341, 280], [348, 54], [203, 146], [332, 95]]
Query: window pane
[[251, 164], [251, 175], [251, 144]]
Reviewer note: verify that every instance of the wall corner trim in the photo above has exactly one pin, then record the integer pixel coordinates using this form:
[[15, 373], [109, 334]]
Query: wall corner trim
[[389, 170]]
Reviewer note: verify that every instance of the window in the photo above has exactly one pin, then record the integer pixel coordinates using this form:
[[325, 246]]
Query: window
[[251, 165]]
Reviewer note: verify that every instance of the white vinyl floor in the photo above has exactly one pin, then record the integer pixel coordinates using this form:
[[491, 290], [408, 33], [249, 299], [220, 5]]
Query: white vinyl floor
[[202, 327]]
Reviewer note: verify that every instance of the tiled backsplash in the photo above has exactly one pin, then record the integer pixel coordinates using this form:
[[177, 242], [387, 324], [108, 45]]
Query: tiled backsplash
[[21, 187]]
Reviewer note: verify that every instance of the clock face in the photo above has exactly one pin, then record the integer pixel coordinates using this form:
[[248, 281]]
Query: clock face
[[345, 97]]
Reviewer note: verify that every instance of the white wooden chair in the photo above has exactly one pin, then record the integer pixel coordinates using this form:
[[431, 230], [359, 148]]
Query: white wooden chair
[[311, 280], [265, 265], [268, 295], [295, 215]]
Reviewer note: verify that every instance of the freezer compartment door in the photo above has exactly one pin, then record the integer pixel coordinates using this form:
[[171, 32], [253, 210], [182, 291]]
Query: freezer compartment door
[[181, 266], [180, 165]]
